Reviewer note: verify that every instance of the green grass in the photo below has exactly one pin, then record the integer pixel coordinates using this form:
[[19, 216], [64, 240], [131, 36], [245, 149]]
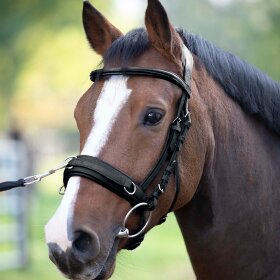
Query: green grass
[[161, 256]]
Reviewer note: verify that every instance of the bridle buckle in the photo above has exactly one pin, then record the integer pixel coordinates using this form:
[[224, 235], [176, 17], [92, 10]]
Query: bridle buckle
[[134, 189]]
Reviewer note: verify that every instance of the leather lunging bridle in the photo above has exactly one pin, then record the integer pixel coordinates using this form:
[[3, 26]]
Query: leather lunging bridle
[[116, 181], [120, 183]]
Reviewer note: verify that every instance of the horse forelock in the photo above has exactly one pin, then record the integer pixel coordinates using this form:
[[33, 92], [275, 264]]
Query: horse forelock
[[128, 47]]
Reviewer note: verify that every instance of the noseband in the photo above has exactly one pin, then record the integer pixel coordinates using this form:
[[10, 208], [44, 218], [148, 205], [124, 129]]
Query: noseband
[[120, 183]]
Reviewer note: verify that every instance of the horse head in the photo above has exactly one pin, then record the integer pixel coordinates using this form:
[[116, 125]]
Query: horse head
[[123, 121]]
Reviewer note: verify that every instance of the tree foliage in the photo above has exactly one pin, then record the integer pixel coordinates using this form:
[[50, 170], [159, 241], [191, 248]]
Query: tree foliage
[[45, 59], [32, 28]]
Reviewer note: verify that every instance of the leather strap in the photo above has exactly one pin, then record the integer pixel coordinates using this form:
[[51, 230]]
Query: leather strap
[[177, 186], [106, 175], [5, 186], [147, 72]]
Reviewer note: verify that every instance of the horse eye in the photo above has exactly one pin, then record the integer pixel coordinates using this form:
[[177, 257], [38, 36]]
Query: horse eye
[[153, 117]]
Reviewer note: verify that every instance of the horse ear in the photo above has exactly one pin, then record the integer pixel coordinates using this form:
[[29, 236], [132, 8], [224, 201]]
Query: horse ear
[[161, 33], [99, 31]]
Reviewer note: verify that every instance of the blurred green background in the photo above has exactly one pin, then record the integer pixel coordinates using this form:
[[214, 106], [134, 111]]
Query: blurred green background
[[45, 62]]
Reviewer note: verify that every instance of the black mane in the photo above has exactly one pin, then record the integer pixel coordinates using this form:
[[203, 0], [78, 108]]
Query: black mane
[[255, 91]]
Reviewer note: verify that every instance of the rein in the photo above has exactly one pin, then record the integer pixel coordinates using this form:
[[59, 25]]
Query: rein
[[120, 183]]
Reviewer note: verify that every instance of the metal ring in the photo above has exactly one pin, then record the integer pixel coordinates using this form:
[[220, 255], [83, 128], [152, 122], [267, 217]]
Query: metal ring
[[134, 190], [177, 119], [62, 190], [69, 158], [160, 188], [124, 232]]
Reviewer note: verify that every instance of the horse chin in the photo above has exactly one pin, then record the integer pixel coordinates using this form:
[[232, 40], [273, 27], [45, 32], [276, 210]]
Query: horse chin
[[107, 268], [106, 273], [109, 265]]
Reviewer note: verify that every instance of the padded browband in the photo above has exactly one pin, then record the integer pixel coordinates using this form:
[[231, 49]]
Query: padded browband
[[147, 72]]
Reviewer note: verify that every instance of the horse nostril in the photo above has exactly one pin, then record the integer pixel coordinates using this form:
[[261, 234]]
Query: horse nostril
[[82, 241], [85, 245]]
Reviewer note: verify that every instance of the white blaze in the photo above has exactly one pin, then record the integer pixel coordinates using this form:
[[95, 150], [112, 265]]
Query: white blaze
[[56, 229], [110, 102], [112, 98]]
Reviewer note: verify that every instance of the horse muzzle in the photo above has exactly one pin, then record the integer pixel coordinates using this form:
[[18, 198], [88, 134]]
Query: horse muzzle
[[84, 259]]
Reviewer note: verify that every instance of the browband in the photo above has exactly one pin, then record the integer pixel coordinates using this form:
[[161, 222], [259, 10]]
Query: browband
[[147, 72]]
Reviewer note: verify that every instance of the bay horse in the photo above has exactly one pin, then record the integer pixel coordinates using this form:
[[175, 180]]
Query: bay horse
[[222, 184]]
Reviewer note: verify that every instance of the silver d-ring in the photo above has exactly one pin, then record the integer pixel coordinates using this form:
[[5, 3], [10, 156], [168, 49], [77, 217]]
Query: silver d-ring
[[134, 190], [62, 190], [160, 188], [69, 158], [124, 232]]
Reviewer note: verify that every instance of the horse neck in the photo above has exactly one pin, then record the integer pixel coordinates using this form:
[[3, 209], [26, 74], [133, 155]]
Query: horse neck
[[235, 196]]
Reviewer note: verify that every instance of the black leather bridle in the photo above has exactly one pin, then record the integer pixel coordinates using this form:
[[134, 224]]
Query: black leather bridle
[[120, 183], [116, 181]]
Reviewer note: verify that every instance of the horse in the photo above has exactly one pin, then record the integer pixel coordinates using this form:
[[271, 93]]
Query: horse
[[221, 180]]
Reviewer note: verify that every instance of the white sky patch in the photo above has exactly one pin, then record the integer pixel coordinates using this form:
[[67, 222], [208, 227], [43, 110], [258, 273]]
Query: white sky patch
[[221, 3], [110, 102], [130, 10]]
